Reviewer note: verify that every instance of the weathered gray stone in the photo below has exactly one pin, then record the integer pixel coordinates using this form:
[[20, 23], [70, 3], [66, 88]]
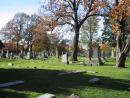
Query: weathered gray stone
[[95, 81], [73, 96], [7, 54], [91, 71], [70, 62], [11, 83], [71, 72], [93, 62], [47, 95]]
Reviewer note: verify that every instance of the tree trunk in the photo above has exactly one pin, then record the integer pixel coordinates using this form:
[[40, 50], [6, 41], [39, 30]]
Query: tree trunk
[[17, 47], [121, 60], [121, 45], [99, 56], [75, 51], [123, 55], [90, 47]]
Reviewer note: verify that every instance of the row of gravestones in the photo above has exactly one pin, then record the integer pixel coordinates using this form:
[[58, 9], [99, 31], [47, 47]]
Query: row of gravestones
[[28, 55], [93, 62]]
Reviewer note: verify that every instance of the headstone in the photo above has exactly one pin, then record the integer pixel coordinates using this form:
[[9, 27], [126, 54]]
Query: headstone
[[65, 58], [28, 55], [11, 55], [47, 95], [57, 54], [10, 64], [2, 53], [113, 54], [95, 81], [34, 54], [93, 62], [73, 96], [45, 54], [71, 72], [7, 54], [42, 55], [11, 83], [21, 54], [91, 71], [128, 89], [95, 52], [70, 62]]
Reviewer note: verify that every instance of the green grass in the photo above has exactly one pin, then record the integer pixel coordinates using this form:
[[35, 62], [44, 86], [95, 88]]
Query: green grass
[[41, 77]]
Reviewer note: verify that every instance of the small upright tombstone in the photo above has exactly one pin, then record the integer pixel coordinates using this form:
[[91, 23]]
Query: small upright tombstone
[[11, 55], [65, 59], [21, 54], [28, 55], [43, 55], [2, 53], [7, 54]]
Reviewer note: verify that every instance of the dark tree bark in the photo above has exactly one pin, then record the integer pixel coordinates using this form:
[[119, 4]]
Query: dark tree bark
[[90, 47], [75, 51], [121, 44], [99, 56], [123, 54], [1, 45], [17, 47]]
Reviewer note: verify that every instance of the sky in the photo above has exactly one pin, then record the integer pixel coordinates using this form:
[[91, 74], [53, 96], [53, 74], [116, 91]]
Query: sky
[[8, 8]]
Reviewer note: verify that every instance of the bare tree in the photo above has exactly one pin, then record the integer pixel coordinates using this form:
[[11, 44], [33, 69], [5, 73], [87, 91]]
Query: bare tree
[[74, 13]]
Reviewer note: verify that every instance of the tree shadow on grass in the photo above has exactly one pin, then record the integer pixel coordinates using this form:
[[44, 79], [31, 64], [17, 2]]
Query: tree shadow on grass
[[7, 94], [47, 81], [7, 60]]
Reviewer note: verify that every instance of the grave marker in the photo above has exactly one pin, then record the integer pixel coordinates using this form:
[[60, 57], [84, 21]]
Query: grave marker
[[47, 95], [65, 59], [11, 83]]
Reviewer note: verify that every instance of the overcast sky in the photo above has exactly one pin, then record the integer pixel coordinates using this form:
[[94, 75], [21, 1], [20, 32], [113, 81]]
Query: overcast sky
[[9, 7]]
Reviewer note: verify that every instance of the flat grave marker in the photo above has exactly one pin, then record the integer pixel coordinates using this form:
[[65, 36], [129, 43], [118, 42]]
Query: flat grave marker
[[11, 83]]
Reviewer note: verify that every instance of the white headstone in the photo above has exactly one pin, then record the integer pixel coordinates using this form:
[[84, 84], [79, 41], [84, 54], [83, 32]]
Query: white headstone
[[7, 54], [47, 95], [65, 58]]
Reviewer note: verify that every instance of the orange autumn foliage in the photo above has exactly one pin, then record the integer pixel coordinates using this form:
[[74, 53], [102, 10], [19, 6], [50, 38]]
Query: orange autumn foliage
[[104, 47], [120, 12]]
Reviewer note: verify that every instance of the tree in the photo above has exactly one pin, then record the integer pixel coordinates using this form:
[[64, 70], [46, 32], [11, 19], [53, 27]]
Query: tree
[[41, 41], [14, 28], [108, 35], [1, 44], [74, 13], [55, 40], [29, 33], [88, 29], [121, 13]]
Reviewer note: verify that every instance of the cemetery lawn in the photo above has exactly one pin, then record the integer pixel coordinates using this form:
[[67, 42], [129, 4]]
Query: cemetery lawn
[[41, 77]]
